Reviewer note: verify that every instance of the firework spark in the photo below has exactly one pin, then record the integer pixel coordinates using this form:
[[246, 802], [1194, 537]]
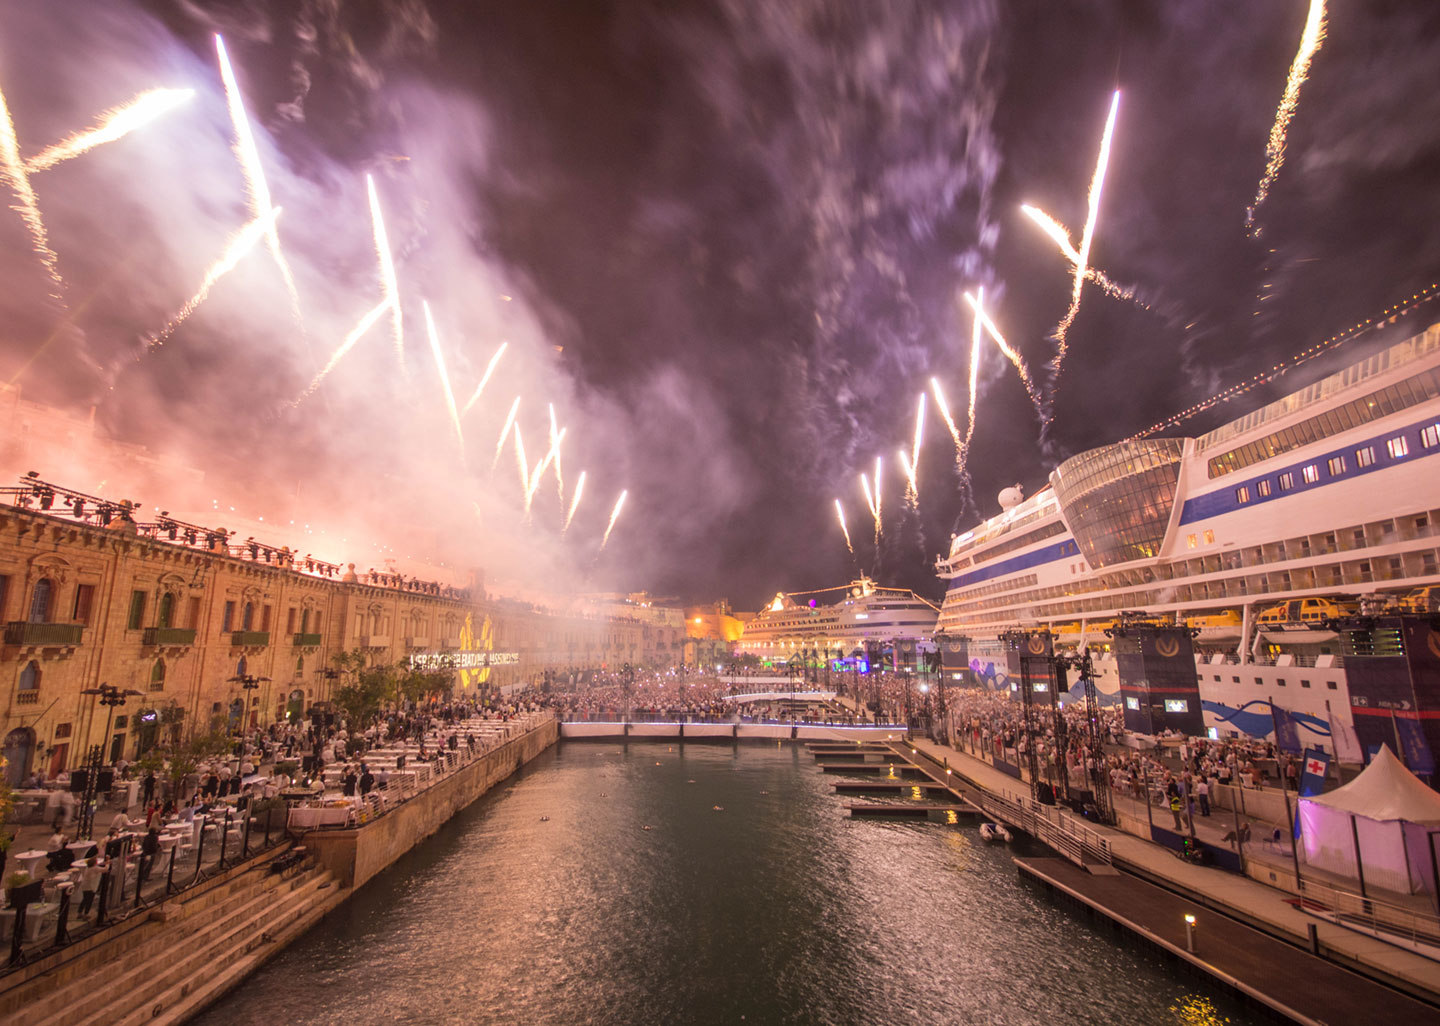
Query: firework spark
[[979, 304], [241, 243], [113, 124], [538, 474], [614, 516], [944, 408], [990, 329], [1060, 235], [248, 156], [356, 334], [505, 431], [1310, 41], [27, 204], [1097, 183], [912, 487], [574, 501], [485, 378], [444, 376], [911, 466], [870, 502], [389, 286], [555, 436], [840, 512]]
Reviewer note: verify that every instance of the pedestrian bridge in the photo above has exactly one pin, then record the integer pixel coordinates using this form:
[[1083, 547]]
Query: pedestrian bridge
[[737, 731]]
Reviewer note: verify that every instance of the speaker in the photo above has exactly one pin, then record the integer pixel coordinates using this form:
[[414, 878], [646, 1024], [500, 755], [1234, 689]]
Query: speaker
[[78, 780]]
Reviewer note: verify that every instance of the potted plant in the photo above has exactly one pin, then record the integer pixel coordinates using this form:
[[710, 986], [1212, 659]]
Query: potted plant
[[15, 883]]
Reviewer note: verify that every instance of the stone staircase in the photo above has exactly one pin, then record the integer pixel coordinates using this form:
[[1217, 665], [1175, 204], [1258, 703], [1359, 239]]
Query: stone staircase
[[187, 955]]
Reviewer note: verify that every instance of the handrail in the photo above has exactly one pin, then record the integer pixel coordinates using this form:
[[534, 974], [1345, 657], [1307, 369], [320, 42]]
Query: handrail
[[1384, 920]]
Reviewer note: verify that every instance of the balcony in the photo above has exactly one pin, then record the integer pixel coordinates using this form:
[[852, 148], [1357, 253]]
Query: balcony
[[375, 641], [450, 643], [30, 696], [306, 640], [168, 637], [419, 642], [249, 639], [44, 635]]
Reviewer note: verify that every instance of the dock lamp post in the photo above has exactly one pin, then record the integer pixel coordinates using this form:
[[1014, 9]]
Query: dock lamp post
[[1190, 933], [112, 698], [248, 682]]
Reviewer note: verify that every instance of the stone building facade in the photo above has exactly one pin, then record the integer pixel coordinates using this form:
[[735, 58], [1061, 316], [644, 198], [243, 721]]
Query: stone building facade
[[199, 628]]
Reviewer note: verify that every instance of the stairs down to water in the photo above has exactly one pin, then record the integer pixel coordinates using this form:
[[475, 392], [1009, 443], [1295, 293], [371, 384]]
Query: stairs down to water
[[207, 945]]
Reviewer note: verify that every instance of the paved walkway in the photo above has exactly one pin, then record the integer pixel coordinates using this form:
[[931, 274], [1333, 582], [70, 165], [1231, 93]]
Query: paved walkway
[[1218, 888]]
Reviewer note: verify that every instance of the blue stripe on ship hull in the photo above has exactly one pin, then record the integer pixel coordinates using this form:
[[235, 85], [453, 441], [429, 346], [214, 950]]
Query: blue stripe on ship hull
[[1050, 553]]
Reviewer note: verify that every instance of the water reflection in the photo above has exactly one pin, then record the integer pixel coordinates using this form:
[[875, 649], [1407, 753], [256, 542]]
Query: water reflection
[[549, 902]]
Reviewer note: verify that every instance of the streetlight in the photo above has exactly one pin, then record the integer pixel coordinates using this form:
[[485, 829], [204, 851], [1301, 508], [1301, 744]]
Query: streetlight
[[112, 698], [250, 683]]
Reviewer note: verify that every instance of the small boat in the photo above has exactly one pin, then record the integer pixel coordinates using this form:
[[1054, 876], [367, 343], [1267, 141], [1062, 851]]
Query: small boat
[[992, 832]]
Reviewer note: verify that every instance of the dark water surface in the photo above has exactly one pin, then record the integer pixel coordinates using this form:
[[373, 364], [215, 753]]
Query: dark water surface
[[775, 909]]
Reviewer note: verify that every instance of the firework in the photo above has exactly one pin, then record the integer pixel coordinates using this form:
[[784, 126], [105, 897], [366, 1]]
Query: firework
[[485, 378], [356, 334], [979, 304], [504, 431], [614, 516], [990, 329], [555, 437], [27, 204], [113, 124], [1082, 256], [444, 376], [389, 287], [538, 474], [944, 408], [574, 501], [248, 156], [871, 503], [911, 466], [1060, 235], [239, 245], [840, 512], [520, 460], [912, 486], [1310, 41]]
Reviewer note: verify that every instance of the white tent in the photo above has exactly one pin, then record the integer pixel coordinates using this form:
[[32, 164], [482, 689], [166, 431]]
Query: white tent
[[1379, 825]]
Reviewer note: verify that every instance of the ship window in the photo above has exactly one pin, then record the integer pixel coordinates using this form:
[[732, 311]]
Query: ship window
[[1190, 542], [1242, 494], [1311, 473], [1330, 684], [1304, 683], [1336, 465], [1430, 436], [1287, 481], [1397, 447], [1365, 456], [1262, 487], [1209, 537], [1259, 680]]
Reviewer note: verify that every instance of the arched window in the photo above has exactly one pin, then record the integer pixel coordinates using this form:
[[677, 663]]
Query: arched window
[[305, 621], [40, 601], [240, 667], [247, 619], [299, 666], [157, 676], [30, 676], [167, 609]]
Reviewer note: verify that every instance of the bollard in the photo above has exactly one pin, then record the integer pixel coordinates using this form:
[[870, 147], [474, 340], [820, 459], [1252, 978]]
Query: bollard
[[1190, 934]]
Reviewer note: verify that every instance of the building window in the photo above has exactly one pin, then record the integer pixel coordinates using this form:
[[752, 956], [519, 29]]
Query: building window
[[1191, 542], [265, 618], [167, 610], [247, 618], [157, 676], [1304, 683], [1262, 487], [1430, 436], [227, 619], [1364, 456], [1397, 447], [193, 622], [290, 620], [1242, 494], [1336, 464], [84, 603], [40, 601], [1331, 685], [1311, 473], [30, 677], [137, 611], [4, 593], [1209, 537], [1287, 481]]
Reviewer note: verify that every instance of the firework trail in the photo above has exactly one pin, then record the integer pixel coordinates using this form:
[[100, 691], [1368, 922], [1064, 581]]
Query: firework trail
[[912, 486], [979, 304], [555, 437], [444, 376], [27, 205], [389, 287], [520, 460], [840, 512], [538, 474], [241, 243], [879, 502], [614, 516], [1097, 183], [113, 124], [1060, 235], [248, 156], [504, 431], [574, 501], [871, 503], [944, 408], [911, 465], [485, 378], [1310, 41], [356, 333], [990, 329]]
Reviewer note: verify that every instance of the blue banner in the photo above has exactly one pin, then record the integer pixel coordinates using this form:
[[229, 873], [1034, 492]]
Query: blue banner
[[1417, 753], [1312, 779], [1287, 730]]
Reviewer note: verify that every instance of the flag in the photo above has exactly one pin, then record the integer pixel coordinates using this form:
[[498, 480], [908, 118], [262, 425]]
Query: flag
[[1312, 777], [1347, 745], [1418, 757], [1287, 730]]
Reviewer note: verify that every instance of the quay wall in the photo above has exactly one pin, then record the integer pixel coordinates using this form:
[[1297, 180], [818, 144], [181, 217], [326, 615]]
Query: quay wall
[[355, 855]]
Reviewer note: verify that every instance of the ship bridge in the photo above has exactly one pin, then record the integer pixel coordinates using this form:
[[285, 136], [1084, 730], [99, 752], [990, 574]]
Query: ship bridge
[[1117, 499]]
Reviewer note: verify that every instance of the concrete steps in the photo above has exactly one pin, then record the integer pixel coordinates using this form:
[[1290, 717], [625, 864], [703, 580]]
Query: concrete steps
[[175, 970]]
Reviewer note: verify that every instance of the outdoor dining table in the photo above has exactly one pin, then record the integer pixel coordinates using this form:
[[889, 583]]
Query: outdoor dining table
[[29, 861], [80, 847]]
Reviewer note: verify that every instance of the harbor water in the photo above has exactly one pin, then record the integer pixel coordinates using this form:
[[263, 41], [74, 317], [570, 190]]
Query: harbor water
[[657, 883]]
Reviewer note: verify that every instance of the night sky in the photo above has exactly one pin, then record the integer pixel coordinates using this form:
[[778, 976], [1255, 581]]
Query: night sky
[[727, 240]]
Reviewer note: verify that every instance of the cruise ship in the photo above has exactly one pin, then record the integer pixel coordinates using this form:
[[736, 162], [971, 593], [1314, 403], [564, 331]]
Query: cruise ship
[[837, 621], [1317, 504]]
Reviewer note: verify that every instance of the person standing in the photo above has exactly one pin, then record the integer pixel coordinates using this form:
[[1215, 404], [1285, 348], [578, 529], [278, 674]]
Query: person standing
[[149, 848], [1202, 795], [90, 878]]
